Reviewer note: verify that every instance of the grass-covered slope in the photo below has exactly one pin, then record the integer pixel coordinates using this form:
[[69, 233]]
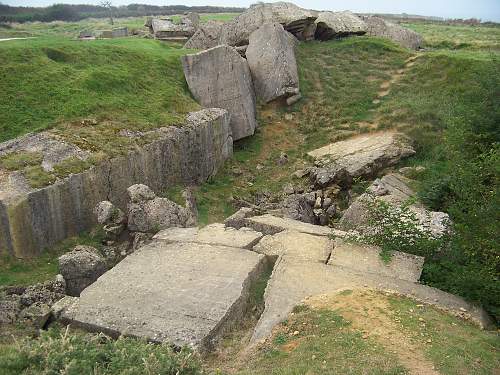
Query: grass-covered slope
[[133, 83]]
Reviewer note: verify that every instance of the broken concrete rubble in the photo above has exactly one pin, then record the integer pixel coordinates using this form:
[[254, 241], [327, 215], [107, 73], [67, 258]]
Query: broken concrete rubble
[[377, 26], [220, 77], [271, 58], [207, 36], [331, 25], [166, 29]]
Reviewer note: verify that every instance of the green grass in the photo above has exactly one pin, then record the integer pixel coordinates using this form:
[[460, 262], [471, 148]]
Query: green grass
[[443, 36], [45, 267], [455, 347], [122, 83], [325, 344]]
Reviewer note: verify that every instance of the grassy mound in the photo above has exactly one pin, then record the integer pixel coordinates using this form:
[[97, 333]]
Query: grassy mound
[[133, 83]]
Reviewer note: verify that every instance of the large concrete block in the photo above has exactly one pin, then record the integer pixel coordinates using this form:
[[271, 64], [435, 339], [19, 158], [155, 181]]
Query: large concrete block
[[331, 25], [220, 77], [271, 57], [182, 293], [34, 219], [377, 26]]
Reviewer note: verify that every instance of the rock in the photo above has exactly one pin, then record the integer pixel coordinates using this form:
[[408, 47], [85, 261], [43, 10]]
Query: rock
[[271, 58], [61, 306], [220, 77], [80, 268], [10, 307], [331, 25], [297, 207], [298, 21], [192, 209], [140, 193], [237, 220], [288, 189], [38, 314], [361, 156], [396, 193], [185, 294], [317, 203], [377, 26], [140, 240], [108, 213], [148, 213], [45, 293], [301, 173], [331, 212], [283, 159], [327, 202], [293, 99], [166, 28], [207, 36], [213, 234]]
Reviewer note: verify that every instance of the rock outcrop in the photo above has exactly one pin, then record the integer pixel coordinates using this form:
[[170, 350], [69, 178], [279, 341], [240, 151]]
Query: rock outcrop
[[298, 21], [35, 219], [271, 58], [207, 36], [377, 26], [80, 268], [220, 77], [149, 213], [331, 25]]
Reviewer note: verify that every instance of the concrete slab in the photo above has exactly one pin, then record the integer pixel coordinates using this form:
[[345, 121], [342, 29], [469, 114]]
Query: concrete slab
[[269, 225], [182, 293], [367, 259], [297, 245], [214, 234]]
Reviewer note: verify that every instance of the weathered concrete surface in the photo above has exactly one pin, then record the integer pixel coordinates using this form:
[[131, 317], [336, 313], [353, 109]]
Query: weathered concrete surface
[[269, 225], [297, 245], [366, 259], [360, 156], [220, 77], [298, 21], [213, 234], [331, 25], [207, 36], [377, 26], [165, 28], [392, 189], [271, 58], [183, 293], [295, 278], [34, 219]]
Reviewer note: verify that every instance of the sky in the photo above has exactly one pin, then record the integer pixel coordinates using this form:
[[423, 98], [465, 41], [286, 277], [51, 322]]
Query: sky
[[487, 10]]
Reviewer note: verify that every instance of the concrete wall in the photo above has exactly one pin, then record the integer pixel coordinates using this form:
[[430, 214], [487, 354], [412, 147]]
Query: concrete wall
[[35, 220]]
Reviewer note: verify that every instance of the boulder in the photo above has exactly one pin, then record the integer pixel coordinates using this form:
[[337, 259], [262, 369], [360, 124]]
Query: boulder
[[331, 25], [271, 58], [220, 77], [360, 156], [81, 267], [377, 26], [207, 36], [166, 28], [139, 193], [10, 307], [298, 21], [111, 218], [297, 207], [38, 314]]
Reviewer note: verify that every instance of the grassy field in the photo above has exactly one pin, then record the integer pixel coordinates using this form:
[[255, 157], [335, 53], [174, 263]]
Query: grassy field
[[72, 29]]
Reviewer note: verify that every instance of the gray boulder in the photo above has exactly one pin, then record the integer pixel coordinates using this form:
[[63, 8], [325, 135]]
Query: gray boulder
[[297, 207], [111, 218], [220, 77], [38, 314], [45, 293], [80, 268], [298, 21], [10, 307], [377, 26], [148, 213], [207, 36], [271, 58], [331, 25]]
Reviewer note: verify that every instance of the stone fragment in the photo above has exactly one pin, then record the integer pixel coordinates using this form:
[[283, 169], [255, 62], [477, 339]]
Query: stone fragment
[[331, 25], [80, 268], [108, 213], [38, 314], [220, 77], [291, 100], [167, 29], [139, 193], [377, 26], [297, 21], [140, 240], [45, 293], [10, 307], [62, 305], [207, 36], [237, 220], [181, 293], [271, 58]]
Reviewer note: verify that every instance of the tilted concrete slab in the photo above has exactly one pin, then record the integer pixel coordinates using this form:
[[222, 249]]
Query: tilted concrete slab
[[269, 225], [182, 293], [367, 259], [213, 234], [297, 245]]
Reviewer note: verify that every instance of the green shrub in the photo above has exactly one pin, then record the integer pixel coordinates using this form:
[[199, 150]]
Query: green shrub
[[64, 352]]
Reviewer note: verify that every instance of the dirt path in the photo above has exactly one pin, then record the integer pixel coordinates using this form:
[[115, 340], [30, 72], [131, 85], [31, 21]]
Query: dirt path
[[370, 313], [385, 87]]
